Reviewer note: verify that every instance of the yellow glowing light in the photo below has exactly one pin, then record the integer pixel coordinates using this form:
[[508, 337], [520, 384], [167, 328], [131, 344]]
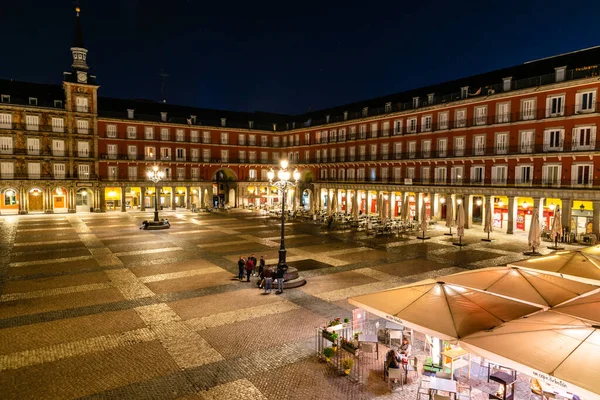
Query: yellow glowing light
[[112, 193]]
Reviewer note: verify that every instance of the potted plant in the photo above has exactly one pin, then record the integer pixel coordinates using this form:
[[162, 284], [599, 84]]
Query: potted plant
[[334, 338], [334, 325], [347, 364], [328, 352], [349, 346], [346, 320]]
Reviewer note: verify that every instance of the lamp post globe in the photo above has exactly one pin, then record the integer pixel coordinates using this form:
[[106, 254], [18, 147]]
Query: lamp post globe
[[155, 175]]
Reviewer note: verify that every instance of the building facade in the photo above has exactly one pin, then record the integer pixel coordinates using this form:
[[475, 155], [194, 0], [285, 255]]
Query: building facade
[[522, 138]]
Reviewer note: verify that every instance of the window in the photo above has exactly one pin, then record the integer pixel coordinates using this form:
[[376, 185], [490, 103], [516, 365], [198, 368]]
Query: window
[[352, 153], [410, 173], [297, 139], [361, 152], [374, 128], [499, 174], [443, 120], [373, 152], [195, 172], [551, 175], [149, 153], [385, 129], [224, 155], [5, 98], [59, 171], [276, 141], [224, 138], [83, 171], [332, 173], [527, 109], [180, 173], [501, 143], [149, 132], [477, 174], [34, 170], [307, 155], [411, 125], [388, 107], [83, 149], [206, 137], [206, 155], [426, 148], [415, 102], [180, 154], [264, 141], [481, 115], [32, 122], [132, 173], [553, 139], [502, 113], [332, 136], [33, 101], [398, 150], [384, 150], [163, 116], [83, 126], [523, 174], [111, 150], [195, 154], [398, 127], [324, 154], [365, 111], [132, 152], [113, 173], [7, 170], [362, 131], [526, 142], [81, 104], [342, 174], [165, 134], [351, 174], [479, 145], [306, 139], [460, 118], [242, 139], [456, 175], [459, 146], [342, 154], [180, 135], [441, 174], [252, 157], [165, 153], [412, 149], [425, 174], [342, 135], [397, 174], [6, 145], [33, 146], [131, 132], [555, 106], [426, 123], [130, 113], [111, 131], [241, 154], [582, 174], [333, 154], [324, 136], [5, 121], [442, 147], [584, 138], [360, 172], [252, 174], [584, 102], [195, 136], [58, 148]]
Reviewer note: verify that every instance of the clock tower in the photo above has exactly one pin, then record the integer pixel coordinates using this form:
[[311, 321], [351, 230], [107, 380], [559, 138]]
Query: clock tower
[[79, 52]]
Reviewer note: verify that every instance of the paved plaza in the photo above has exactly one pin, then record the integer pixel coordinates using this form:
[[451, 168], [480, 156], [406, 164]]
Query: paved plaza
[[93, 307]]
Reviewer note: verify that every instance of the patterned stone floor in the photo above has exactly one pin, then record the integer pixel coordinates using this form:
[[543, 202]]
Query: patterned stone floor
[[93, 307]]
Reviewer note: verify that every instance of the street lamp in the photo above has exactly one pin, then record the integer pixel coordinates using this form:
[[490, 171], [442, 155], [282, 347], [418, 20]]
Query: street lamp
[[283, 183], [155, 176]]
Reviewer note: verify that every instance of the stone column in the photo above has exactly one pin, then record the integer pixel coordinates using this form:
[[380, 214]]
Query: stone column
[[596, 219], [188, 197], [566, 210], [173, 198], [468, 207], [22, 201], [123, 200], [435, 206], [512, 215], [368, 203], [72, 202], [143, 198], [102, 199]]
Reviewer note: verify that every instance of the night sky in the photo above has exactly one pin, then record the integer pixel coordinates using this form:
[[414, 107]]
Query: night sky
[[285, 56]]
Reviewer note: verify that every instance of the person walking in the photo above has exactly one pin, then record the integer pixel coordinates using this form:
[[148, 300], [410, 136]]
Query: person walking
[[254, 262], [249, 268], [268, 279], [281, 270], [241, 265], [261, 266]]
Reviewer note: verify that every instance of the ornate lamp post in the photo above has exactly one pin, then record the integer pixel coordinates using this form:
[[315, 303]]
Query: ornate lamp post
[[155, 176], [283, 184]]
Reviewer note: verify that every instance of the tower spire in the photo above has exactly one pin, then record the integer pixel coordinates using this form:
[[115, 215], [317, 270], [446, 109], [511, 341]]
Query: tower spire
[[78, 50], [78, 40]]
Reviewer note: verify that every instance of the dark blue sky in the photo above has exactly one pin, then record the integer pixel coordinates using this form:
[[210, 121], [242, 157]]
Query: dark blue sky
[[285, 56]]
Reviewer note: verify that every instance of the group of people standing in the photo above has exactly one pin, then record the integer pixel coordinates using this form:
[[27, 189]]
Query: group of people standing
[[265, 274]]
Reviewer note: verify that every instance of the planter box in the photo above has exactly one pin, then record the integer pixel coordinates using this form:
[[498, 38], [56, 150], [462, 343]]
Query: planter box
[[349, 349], [328, 336]]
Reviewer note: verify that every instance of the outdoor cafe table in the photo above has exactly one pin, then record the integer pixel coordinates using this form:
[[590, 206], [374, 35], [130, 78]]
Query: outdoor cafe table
[[370, 339], [445, 385]]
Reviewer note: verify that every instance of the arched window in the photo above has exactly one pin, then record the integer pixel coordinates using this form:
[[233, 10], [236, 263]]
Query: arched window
[[10, 198]]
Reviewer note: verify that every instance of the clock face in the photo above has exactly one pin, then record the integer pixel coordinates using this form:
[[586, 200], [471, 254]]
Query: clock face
[[81, 77]]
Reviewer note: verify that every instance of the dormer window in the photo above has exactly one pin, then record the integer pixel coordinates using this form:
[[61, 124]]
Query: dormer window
[[365, 112], [223, 121], [327, 119], [193, 118], [5, 98], [293, 125], [163, 116], [33, 101], [130, 113], [560, 73], [415, 102], [430, 97], [388, 107], [58, 104], [250, 124], [274, 127], [345, 115], [506, 83], [464, 92]]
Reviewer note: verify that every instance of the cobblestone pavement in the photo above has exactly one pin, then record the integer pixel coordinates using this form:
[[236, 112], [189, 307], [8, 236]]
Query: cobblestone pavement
[[93, 307]]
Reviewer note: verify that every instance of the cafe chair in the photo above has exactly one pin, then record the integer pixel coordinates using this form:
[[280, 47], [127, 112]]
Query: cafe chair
[[412, 366], [367, 348], [423, 391], [463, 391], [395, 373]]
